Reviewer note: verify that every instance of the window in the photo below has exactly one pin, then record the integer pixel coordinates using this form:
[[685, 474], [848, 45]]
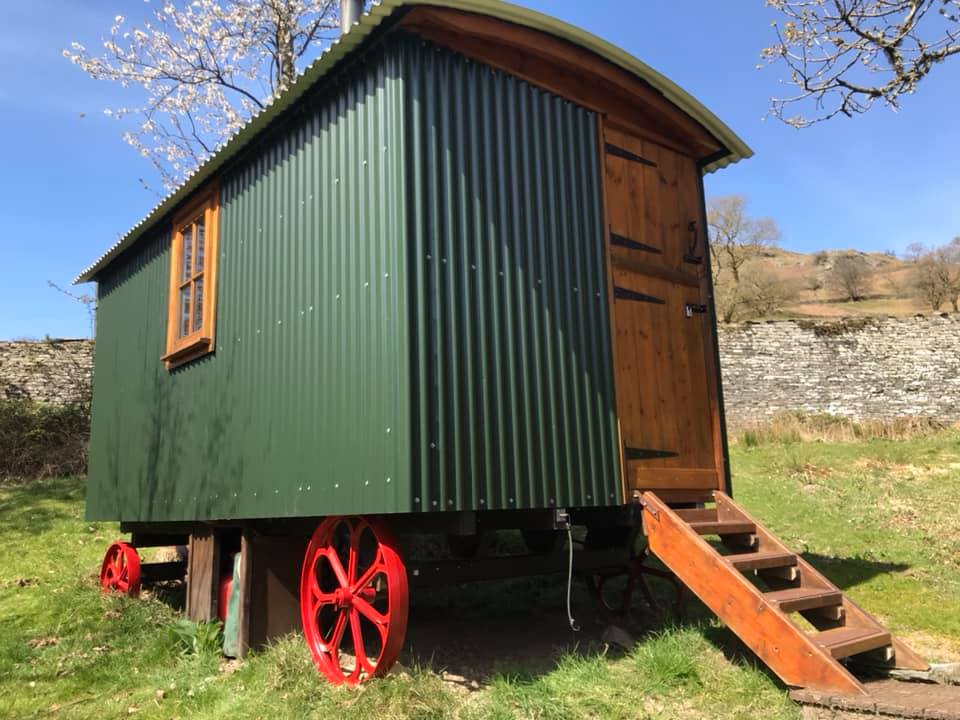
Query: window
[[193, 278]]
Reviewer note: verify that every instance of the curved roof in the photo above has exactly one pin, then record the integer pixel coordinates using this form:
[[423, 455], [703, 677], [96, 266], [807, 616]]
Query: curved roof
[[369, 22]]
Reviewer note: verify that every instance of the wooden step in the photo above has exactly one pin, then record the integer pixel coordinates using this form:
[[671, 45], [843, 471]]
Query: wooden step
[[761, 560], [801, 598], [843, 642], [723, 527], [692, 515]]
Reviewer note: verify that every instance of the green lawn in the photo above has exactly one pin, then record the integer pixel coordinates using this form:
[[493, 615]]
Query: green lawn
[[877, 517]]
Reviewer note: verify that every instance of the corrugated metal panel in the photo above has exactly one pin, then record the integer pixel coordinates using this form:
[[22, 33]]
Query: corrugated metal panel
[[303, 409], [379, 13], [513, 396]]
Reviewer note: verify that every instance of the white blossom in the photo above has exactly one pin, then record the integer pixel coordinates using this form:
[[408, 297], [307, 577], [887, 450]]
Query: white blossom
[[204, 67]]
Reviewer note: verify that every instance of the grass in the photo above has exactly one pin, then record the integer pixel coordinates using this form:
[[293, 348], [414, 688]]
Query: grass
[[876, 515]]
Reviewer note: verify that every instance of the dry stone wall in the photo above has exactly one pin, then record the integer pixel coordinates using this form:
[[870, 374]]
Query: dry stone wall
[[48, 371], [859, 368], [870, 368]]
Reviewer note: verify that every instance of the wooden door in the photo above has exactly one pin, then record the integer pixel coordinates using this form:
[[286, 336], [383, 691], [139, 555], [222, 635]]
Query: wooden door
[[666, 386]]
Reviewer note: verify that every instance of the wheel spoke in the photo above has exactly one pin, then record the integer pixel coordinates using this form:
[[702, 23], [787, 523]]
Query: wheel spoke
[[369, 574], [372, 614], [318, 597], [331, 555], [336, 637], [355, 532], [359, 651]]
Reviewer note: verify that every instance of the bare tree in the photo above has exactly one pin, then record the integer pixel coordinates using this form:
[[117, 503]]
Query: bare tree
[[915, 251], [850, 275], [735, 237], [937, 276], [843, 55], [763, 293], [203, 68]]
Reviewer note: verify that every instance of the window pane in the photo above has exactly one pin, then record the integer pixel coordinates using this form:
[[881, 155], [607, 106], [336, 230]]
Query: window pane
[[198, 304], [187, 264], [198, 250], [185, 311]]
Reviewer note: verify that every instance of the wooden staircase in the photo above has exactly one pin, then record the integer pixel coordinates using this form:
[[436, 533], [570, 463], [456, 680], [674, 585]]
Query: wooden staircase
[[754, 584]]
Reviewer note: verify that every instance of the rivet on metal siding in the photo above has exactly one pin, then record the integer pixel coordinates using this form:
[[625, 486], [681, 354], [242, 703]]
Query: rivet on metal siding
[[482, 501], [511, 501], [336, 485], [338, 296], [434, 503], [539, 281], [276, 492], [388, 431], [366, 482], [258, 331], [449, 502], [443, 260], [302, 313], [308, 488], [416, 499], [429, 257], [433, 446], [279, 322], [473, 267], [300, 489], [386, 275], [311, 308], [589, 497], [389, 480], [501, 273], [576, 289], [366, 284]]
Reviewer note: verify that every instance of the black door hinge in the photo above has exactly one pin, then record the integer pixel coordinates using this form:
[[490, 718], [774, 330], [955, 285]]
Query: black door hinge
[[621, 293], [626, 242], [620, 152], [648, 454]]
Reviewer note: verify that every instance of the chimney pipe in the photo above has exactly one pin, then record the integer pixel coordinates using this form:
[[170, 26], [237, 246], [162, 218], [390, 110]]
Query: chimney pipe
[[350, 12]]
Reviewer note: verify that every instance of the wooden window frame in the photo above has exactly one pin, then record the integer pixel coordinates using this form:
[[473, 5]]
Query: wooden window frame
[[197, 343]]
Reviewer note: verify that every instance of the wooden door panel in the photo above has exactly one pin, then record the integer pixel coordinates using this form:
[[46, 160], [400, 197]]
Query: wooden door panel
[[665, 398], [645, 223], [661, 380]]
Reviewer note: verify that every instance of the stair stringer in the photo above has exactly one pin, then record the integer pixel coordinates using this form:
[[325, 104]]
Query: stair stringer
[[777, 642]]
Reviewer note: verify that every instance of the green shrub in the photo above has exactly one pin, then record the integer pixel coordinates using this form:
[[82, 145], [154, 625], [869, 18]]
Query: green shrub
[[190, 638], [39, 440]]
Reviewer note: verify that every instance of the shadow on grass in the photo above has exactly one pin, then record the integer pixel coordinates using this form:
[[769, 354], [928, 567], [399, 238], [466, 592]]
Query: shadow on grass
[[849, 572], [37, 505], [480, 632]]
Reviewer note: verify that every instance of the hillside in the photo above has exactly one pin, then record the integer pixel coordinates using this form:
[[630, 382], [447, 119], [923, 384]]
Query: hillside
[[889, 291]]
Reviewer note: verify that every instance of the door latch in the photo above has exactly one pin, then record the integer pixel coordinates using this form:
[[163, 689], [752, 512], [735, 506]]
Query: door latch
[[690, 308]]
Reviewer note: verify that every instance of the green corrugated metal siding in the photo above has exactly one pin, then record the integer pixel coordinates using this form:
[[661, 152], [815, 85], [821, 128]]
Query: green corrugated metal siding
[[411, 315], [512, 395], [303, 409]]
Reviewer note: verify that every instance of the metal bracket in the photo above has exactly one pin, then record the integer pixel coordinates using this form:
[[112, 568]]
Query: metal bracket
[[638, 497], [561, 519], [690, 308]]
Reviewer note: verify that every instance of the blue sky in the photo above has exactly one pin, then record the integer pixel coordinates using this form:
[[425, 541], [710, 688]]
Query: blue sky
[[69, 185]]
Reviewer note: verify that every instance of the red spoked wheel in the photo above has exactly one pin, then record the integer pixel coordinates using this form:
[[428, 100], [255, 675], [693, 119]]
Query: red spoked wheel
[[353, 599], [120, 571]]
